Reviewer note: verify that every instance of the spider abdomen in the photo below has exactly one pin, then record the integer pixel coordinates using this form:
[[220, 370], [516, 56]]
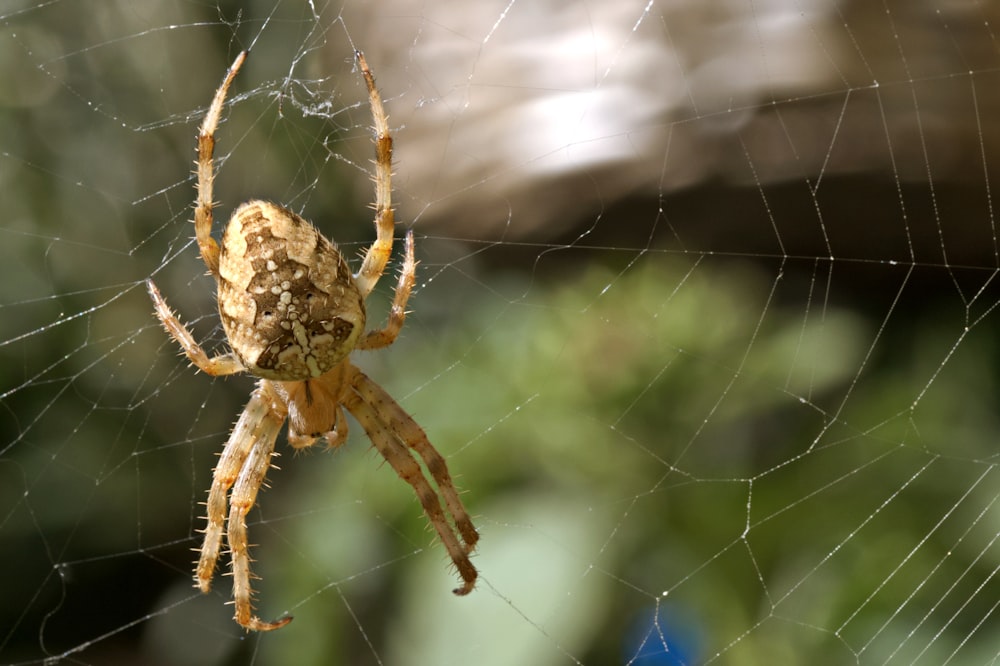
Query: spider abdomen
[[287, 300]]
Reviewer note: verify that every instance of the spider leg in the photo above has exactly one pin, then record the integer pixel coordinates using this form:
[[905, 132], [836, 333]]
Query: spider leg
[[206, 175], [226, 364], [242, 466], [378, 254], [384, 337], [242, 439], [387, 425], [241, 500], [390, 413]]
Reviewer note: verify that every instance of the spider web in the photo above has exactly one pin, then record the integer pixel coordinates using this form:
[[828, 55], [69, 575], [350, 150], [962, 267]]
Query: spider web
[[705, 326]]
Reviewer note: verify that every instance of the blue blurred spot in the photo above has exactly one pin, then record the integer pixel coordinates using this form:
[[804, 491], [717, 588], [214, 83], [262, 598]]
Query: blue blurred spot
[[663, 636]]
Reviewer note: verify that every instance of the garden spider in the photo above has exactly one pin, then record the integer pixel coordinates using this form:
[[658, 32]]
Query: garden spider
[[292, 313]]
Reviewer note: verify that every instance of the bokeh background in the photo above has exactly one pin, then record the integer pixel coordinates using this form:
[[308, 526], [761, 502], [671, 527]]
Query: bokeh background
[[705, 327]]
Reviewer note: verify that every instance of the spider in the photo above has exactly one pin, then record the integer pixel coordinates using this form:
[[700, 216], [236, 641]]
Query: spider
[[293, 312]]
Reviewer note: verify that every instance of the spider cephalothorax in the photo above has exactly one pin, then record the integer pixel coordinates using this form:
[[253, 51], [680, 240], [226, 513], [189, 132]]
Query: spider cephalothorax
[[293, 312]]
